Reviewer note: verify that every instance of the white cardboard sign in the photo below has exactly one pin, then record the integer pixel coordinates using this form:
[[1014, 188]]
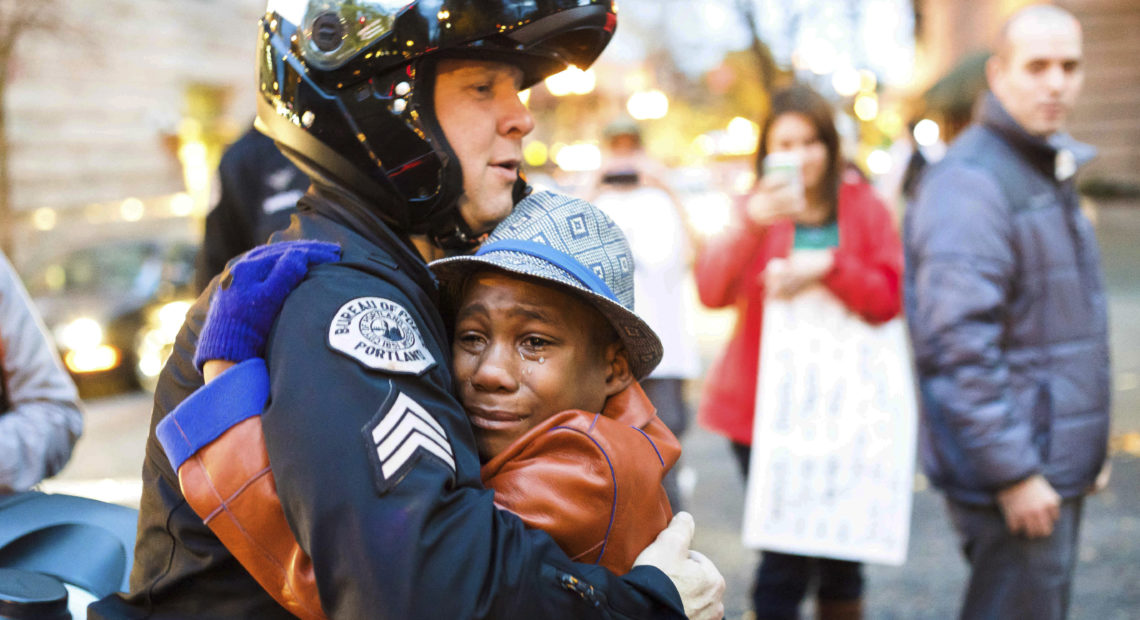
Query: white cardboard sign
[[832, 467]]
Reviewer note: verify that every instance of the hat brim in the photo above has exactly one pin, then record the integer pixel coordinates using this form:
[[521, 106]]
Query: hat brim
[[642, 345]]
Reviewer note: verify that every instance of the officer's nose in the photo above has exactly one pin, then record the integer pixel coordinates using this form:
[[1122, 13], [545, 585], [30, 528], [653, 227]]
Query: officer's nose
[[515, 118], [495, 369]]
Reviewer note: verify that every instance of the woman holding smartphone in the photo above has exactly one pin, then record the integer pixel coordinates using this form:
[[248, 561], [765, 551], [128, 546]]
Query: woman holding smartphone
[[808, 220]]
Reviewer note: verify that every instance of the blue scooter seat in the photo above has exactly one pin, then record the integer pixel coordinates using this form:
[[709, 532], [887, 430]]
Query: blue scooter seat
[[80, 541]]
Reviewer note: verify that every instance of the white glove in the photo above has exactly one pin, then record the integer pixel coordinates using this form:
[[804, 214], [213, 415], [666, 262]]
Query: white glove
[[695, 577]]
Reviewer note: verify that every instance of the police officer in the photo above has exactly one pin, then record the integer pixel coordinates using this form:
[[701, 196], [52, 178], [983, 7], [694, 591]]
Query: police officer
[[406, 117]]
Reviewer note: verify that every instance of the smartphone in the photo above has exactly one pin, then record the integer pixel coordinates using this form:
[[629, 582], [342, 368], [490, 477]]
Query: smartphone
[[787, 165], [621, 178]]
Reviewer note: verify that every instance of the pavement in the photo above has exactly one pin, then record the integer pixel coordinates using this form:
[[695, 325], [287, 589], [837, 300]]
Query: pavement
[[107, 461]]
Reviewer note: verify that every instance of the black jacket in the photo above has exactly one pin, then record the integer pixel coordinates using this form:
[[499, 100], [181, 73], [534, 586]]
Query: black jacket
[[396, 528], [258, 189]]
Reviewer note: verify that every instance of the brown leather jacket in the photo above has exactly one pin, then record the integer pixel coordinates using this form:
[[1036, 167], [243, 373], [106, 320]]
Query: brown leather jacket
[[593, 482]]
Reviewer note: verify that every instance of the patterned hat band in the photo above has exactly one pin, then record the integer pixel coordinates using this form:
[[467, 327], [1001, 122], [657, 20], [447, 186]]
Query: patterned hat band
[[563, 261]]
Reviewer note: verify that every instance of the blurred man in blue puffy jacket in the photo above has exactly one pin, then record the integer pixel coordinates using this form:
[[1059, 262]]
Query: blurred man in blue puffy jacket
[[1006, 306]]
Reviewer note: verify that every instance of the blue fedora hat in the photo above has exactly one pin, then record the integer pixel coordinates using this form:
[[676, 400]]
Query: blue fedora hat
[[568, 242]]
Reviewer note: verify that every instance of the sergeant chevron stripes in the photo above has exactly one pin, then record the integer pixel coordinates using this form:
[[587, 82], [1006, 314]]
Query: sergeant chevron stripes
[[403, 431]]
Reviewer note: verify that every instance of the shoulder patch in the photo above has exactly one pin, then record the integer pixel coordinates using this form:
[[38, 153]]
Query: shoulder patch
[[379, 333], [401, 433]]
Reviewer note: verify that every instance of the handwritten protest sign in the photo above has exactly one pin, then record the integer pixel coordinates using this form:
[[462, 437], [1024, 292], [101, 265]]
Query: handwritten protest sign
[[833, 440]]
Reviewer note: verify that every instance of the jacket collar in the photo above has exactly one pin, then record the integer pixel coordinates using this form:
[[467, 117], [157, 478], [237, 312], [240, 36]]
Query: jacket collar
[[359, 219], [1058, 156], [630, 406]]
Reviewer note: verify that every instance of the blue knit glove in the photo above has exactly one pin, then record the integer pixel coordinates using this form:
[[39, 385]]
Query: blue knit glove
[[252, 291]]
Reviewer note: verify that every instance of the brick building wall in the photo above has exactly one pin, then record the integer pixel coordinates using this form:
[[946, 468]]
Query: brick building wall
[[95, 109], [1108, 111]]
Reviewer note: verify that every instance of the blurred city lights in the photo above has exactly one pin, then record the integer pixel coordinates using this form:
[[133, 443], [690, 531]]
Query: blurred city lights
[[132, 209], [879, 162], [866, 107], [846, 82], [739, 138], [155, 342], [703, 146], [181, 204], [97, 359], [743, 135], [44, 218], [647, 105], [81, 333], [536, 154], [571, 81], [710, 213], [524, 96], [926, 132], [580, 157], [636, 80], [171, 316], [818, 56], [195, 167], [867, 81], [890, 122]]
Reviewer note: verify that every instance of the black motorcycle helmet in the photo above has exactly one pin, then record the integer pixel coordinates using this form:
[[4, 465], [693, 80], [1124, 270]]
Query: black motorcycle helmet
[[346, 89]]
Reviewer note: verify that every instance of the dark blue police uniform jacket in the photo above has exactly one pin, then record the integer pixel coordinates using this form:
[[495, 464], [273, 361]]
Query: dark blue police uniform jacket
[[375, 465]]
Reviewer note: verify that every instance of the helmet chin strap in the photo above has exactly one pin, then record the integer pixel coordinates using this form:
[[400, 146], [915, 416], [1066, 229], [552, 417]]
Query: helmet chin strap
[[456, 236]]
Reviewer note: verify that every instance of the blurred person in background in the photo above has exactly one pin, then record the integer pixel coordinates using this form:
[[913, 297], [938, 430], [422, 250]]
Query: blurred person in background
[[831, 229], [630, 189], [900, 185], [257, 189], [1006, 307], [40, 418]]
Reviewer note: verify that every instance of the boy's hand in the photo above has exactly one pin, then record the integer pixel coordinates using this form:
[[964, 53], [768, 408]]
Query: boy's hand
[[697, 580], [252, 291]]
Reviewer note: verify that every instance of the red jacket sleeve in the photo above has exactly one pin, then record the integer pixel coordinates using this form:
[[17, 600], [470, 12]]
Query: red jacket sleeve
[[722, 262], [867, 274]]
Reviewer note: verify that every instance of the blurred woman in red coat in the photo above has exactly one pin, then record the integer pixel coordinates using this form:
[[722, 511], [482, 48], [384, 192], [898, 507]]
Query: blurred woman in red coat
[[820, 224]]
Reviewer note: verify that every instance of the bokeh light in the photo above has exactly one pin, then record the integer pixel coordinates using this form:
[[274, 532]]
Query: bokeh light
[[926, 132], [866, 107], [44, 219], [132, 209], [579, 157], [648, 105], [571, 81], [879, 162]]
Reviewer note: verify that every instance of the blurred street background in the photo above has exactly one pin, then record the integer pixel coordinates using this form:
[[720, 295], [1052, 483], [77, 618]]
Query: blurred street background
[[116, 113]]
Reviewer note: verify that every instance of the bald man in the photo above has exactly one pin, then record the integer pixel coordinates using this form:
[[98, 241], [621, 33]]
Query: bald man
[[1006, 306]]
